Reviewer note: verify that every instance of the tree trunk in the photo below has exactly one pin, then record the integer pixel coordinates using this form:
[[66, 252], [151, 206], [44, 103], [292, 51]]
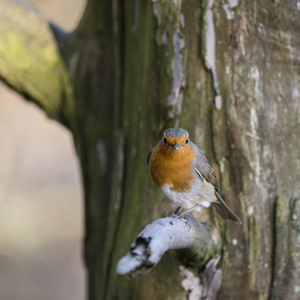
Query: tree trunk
[[228, 72]]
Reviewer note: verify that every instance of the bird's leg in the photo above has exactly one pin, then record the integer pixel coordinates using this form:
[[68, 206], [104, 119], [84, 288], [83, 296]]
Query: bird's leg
[[190, 209], [175, 213], [178, 216], [183, 216]]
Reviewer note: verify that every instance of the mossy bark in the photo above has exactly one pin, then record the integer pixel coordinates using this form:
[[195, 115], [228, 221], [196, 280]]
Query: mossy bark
[[30, 62], [226, 71]]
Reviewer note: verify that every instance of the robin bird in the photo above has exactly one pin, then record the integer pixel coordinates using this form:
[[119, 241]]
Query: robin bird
[[182, 173]]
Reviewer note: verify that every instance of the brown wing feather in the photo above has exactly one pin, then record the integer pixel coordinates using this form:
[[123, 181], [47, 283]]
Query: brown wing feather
[[224, 211], [207, 173], [206, 170]]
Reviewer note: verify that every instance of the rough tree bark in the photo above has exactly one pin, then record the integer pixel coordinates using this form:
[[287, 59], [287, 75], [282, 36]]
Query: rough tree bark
[[227, 71]]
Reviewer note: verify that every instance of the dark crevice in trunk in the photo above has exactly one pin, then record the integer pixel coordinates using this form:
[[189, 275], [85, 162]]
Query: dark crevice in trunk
[[117, 228], [273, 254], [118, 20]]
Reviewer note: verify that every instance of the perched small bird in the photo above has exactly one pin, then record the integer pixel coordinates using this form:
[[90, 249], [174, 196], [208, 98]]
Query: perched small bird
[[181, 172]]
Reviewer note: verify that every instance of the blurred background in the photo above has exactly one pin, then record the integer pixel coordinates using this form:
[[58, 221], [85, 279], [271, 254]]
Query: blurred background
[[41, 213]]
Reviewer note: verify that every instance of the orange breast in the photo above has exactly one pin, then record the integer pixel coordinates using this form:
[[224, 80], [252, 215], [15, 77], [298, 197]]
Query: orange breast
[[173, 168]]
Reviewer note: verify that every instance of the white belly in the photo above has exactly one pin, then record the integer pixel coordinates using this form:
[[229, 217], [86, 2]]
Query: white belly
[[202, 193]]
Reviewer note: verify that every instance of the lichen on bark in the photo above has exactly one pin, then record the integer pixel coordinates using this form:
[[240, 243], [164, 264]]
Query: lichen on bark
[[138, 68]]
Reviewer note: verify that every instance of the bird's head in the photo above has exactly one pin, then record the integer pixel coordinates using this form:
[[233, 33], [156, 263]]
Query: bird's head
[[175, 140]]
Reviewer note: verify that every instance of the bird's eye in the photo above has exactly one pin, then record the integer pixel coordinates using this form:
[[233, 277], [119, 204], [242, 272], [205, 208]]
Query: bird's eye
[[187, 141], [165, 140]]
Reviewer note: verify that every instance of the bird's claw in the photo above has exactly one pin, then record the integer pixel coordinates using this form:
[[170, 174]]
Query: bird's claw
[[184, 218]]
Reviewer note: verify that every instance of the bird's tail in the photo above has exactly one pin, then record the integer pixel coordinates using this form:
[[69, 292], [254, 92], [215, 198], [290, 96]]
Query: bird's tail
[[225, 212]]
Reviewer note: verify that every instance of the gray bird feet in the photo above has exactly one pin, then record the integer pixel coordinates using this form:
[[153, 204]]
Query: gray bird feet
[[183, 217], [174, 213]]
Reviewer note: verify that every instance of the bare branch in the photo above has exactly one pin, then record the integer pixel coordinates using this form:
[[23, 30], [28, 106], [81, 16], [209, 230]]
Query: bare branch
[[163, 235], [30, 61]]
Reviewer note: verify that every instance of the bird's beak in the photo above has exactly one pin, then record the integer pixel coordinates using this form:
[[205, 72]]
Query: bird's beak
[[175, 146]]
